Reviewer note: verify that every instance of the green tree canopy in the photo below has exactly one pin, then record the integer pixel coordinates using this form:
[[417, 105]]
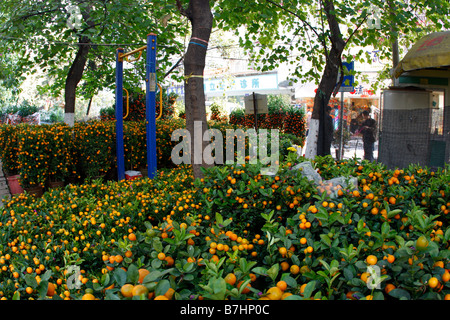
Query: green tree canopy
[[314, 37], [75, 41]]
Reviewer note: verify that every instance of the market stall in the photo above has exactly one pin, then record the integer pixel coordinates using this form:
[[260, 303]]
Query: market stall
[[415, 121]]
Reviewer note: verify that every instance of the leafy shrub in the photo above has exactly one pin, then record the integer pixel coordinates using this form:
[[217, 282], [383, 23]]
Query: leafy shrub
[[96, 148], [164, 235], [217, 114], [62, 163], [108, 113], [295, 123], [34, 155], [9, 149], [236, 191], [25, 109], [237, 116]]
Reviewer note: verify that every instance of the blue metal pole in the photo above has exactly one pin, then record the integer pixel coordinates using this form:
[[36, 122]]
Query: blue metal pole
[[150, 104], [119, 116]]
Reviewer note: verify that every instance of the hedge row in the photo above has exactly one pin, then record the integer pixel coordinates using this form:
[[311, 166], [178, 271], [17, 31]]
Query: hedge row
[[58, 152], [289, 120]]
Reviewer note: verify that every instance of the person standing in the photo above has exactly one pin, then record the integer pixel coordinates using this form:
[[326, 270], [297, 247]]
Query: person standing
[[369, 131]]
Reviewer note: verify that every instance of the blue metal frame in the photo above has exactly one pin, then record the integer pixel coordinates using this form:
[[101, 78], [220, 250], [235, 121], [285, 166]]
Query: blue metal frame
[[119, 116], [150, 104], [150, 107]]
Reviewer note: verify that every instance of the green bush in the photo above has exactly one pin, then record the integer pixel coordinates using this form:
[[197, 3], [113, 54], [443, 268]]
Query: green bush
[[9, 149], [173, 235], [244, 194], [108, 113]]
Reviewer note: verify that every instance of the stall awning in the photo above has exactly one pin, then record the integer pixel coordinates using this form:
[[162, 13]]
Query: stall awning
[[431, 51]]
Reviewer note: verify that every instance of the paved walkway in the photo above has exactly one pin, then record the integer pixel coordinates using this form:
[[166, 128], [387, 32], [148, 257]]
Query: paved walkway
[[4, 189], [355, 148]]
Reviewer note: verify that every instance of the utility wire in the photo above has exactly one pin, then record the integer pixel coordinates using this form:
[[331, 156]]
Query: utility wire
[[73, 43]]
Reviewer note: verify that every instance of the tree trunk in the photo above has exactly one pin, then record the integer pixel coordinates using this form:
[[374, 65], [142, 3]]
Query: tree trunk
[[89, 105], [200, 16], [394, 40], [73, 78], [314, 144], [77, 68]]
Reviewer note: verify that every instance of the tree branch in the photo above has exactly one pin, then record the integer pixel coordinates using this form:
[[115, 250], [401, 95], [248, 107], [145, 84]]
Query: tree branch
[[295, 15], [357, 28], [338, 44], [104, 19], [37, 14], [341, 78], [174, 66], [181, 9], [323, 30]]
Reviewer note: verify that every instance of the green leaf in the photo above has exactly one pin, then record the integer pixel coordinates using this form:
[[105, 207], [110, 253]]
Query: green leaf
[[309, 289], [97, 287], [385, 229], [190, 250], [260, 270], [361, 265], [111, 296], [162, 287], [348, 273], [433, 249], [340, 219], [30, 280], [400, 241], [42, 289], [243, 285], [295, 259], [290, 281], [447, 235], [322, 215], [170, 241], [219, 285], [157, 245], [152, 276], [325, 239], [360, 225], [132, 273], [293, 297], [120, 276], [16, 296], [156, 263], [188, 267], [378, 296], [393, 213], [273, 271], [219, 218], [224, 224], [400, 294], [325, 265], [189, 277]]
